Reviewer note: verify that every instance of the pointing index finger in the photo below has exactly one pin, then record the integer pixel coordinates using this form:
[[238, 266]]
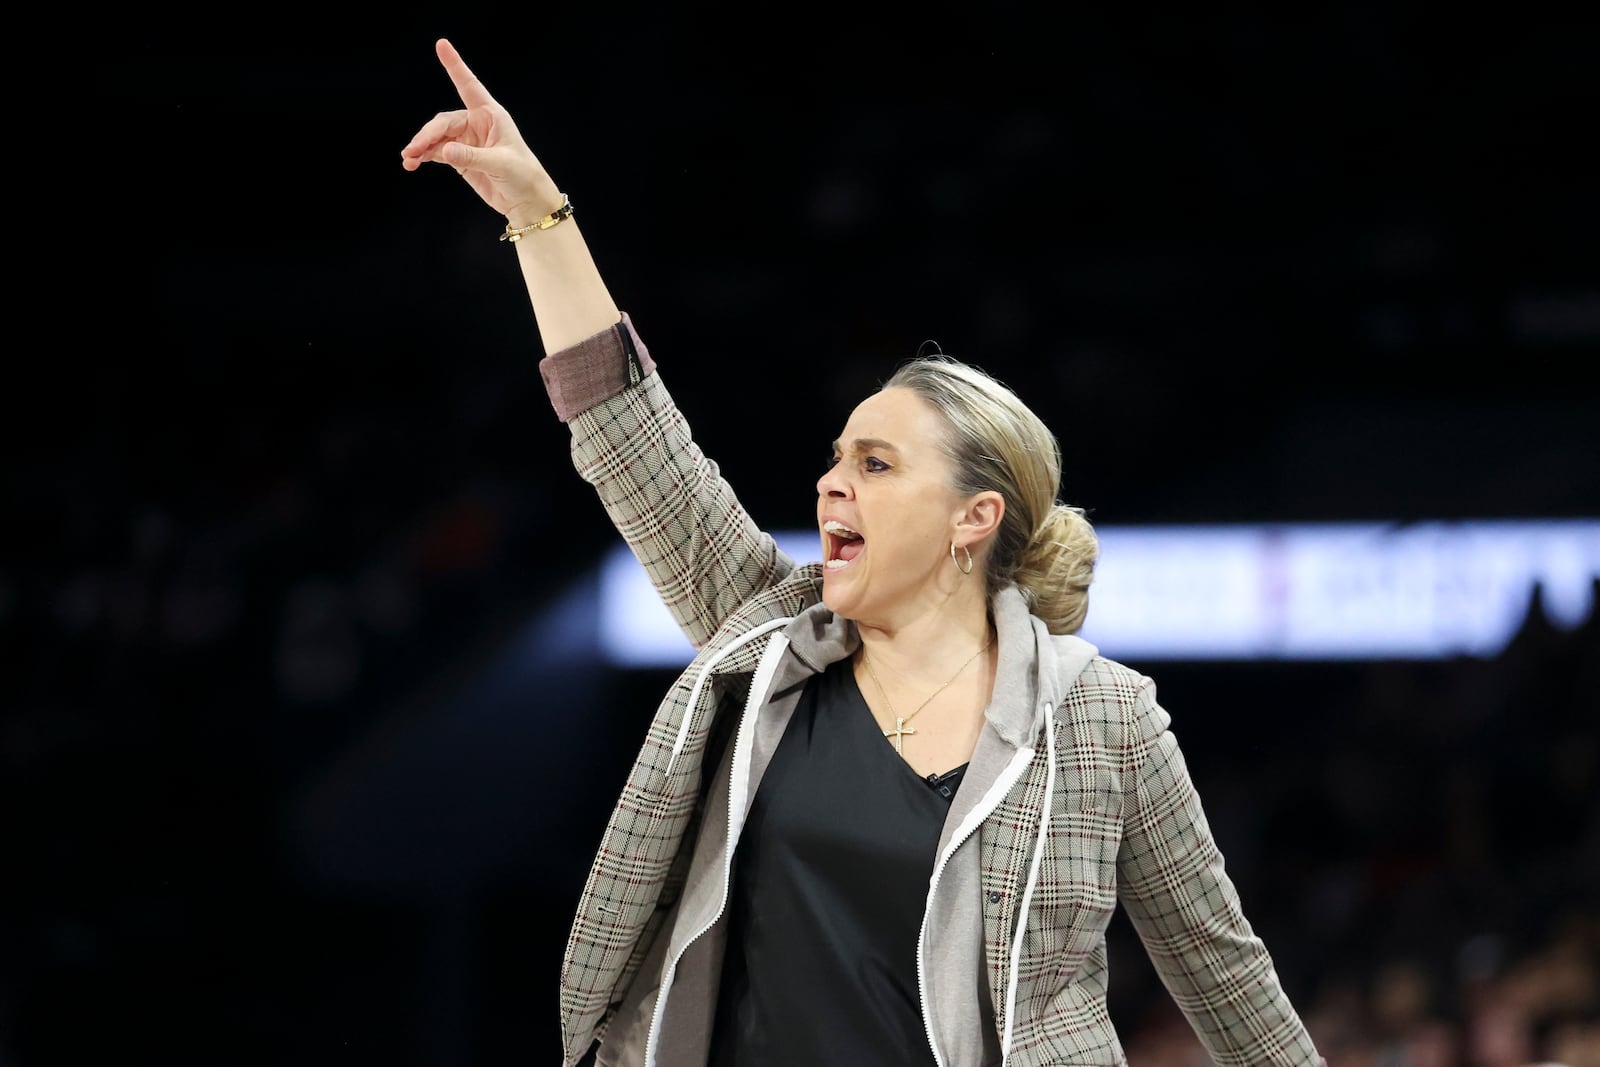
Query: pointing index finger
[[470, 89]]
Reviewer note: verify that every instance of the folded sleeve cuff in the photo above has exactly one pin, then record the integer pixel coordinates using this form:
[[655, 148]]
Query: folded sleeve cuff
[[595, 369]]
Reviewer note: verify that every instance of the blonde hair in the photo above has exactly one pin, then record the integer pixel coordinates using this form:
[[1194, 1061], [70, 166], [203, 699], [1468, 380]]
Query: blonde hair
[[996, 443]]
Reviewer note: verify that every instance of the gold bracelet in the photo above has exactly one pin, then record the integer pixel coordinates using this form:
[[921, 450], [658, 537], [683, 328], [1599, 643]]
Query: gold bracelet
[[555, 217]]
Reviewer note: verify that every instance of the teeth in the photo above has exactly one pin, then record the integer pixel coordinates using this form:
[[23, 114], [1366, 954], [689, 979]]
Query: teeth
[[833, 526], [835, 564]]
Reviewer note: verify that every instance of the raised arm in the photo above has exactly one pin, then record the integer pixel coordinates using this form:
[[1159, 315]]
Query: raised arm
[[668, 501], [481, 143]]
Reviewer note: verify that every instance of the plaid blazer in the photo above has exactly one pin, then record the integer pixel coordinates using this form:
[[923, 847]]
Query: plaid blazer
[[1099, 808]]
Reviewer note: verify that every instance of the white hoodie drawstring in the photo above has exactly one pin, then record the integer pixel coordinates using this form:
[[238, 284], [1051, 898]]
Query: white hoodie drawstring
[[1033, 876], [705, 673]]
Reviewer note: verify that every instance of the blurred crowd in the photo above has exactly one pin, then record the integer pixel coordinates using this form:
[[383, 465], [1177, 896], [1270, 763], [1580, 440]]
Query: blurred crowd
[[1428, 873], [1485, 1005]]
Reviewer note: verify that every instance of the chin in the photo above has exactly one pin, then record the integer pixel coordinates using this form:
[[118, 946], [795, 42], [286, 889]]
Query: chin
[[834, 602]]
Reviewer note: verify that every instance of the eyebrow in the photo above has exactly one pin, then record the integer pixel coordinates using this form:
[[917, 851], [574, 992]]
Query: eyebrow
[[867, 444]]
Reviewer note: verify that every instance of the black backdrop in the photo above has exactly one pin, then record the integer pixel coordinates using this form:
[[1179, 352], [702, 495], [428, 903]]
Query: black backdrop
[[283, 484]]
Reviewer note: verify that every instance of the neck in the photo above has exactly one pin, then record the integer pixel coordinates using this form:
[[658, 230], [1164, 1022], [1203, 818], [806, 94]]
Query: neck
[[929, 645]]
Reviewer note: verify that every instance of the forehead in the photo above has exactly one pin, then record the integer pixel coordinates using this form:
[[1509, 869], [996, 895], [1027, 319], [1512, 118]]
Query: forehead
[[895, 416]]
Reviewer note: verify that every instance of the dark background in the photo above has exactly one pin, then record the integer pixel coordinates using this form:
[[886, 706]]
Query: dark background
[[298, 763]]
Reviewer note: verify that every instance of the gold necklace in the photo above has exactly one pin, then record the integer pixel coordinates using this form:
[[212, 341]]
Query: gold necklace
[[899, 732]]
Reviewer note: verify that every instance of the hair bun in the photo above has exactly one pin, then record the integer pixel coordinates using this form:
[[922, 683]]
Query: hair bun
[[1057, 568]]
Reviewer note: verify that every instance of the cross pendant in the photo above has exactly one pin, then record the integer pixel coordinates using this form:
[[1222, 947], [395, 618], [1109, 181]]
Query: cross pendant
[[899, 734]]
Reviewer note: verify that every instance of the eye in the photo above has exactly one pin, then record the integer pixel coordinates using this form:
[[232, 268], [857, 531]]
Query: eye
[[874, 465], [832, 462]]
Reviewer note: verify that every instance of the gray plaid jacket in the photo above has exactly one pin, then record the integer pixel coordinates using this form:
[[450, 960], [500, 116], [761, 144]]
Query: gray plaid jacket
[[1078, 794]]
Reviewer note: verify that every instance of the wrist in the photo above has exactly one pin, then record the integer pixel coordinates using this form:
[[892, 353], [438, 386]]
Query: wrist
[[536, 206], [562, 213]]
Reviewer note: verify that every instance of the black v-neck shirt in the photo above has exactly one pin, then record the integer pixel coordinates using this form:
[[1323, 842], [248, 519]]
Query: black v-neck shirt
[[830, 879]]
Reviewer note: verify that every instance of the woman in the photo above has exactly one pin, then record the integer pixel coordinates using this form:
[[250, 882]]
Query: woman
[[885, 815]]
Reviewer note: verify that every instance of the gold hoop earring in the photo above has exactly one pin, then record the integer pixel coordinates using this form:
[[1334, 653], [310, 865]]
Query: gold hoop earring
[[968, 551]]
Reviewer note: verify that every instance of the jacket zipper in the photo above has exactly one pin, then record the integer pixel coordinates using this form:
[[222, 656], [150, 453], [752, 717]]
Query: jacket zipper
[[969, 826], [635, 370], [738, 790]]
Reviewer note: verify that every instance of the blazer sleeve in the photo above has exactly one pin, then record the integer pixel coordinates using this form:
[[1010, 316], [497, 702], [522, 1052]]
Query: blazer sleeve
[[1186, 910], [700, 548]]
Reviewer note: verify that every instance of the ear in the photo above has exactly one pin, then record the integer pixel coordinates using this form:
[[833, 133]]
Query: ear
[[978, 519]]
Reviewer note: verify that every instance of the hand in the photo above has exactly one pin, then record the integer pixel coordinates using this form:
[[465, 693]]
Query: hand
[[483, 145]]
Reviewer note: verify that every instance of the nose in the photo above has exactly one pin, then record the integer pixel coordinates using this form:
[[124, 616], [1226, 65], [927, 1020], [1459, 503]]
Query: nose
[[834, 484]]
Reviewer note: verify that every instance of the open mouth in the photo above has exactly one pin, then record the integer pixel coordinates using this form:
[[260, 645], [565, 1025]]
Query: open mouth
[[841, 545]]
